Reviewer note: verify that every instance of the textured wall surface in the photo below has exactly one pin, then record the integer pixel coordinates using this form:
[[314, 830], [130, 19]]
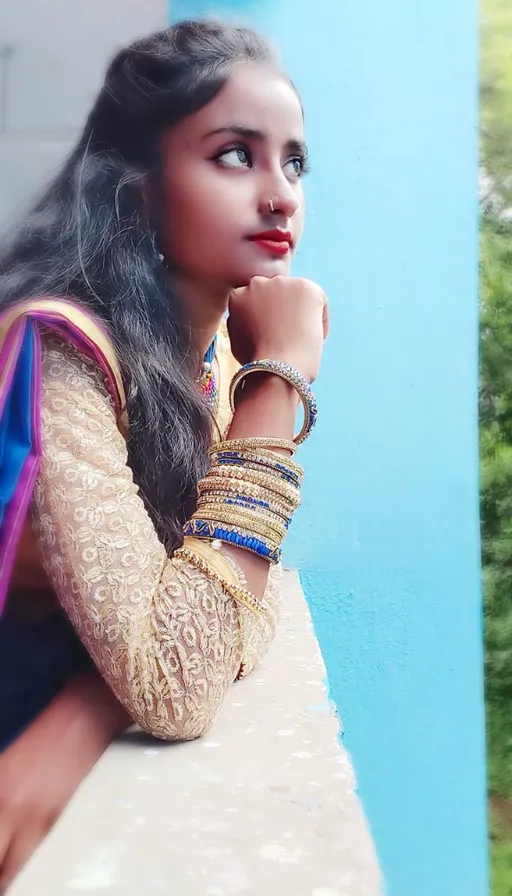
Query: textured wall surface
[[52, 59], [387, 542], [265, 804]]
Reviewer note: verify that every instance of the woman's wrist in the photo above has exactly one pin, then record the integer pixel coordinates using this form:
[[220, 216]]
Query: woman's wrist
[[267, 406], [290, 375]]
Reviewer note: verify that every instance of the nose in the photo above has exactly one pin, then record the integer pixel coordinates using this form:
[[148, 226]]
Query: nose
[[279, 199]]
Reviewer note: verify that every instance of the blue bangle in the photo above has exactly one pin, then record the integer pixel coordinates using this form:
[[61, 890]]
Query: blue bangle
[[292, 376], [207, 529]]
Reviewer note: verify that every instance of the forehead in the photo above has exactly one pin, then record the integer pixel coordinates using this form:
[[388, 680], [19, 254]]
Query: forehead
[[255, 97]]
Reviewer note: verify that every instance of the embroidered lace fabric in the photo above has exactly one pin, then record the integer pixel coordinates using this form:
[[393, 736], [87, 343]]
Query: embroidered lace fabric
[[168, 640]]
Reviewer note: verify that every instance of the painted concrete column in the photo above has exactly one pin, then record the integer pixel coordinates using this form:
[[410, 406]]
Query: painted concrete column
[[387, 544]]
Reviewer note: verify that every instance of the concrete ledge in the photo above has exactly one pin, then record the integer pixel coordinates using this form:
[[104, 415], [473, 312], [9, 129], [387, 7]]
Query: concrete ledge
[[264, 805]]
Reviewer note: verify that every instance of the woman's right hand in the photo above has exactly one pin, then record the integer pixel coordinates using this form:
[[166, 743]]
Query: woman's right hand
[[283, 318]]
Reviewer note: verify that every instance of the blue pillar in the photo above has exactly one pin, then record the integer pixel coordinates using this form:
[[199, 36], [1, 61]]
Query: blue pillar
[[387, 544]]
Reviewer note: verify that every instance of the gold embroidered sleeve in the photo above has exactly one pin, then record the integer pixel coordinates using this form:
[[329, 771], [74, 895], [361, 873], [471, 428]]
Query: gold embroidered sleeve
[[167, 639]]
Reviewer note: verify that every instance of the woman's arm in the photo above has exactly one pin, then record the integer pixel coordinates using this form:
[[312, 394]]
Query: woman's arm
[[42, 769], [167, 638]]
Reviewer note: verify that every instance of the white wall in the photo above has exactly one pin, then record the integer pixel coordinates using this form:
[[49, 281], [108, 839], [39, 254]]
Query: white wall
[[58, 53]]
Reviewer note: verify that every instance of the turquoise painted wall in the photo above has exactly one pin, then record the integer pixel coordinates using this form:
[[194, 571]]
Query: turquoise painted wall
[[387, 544]]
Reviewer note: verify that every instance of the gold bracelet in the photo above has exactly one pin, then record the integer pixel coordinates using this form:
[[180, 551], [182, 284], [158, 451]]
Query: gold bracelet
[[221, 496], [261, 514], [246, 527], [208, 529], [292, 376], [274, 484], [247, 495], [255, 443], [264, 458], [255, 475], [226, 490], [246, 521], [243, 487], [256, 467], [241, 595], [244, 517]]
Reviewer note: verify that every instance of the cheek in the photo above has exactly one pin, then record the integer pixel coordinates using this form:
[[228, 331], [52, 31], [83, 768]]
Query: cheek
[[197, 209], [199, 227], [298, 222]]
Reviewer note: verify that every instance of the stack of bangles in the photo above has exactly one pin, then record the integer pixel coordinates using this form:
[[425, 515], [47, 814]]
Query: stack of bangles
[[249, 495]]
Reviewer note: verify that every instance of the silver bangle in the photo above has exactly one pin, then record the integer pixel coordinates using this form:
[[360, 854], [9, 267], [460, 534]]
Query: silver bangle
[[292, 376]]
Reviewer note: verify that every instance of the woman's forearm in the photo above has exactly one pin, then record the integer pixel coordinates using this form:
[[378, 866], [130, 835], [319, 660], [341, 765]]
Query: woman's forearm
[[267, 407], [43, 768], [81, 721]]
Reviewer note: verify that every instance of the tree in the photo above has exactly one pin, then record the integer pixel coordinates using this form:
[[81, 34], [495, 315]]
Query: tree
[[496, 382]]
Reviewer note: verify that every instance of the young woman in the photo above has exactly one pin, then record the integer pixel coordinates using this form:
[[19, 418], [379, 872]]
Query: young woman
[[146, 471]]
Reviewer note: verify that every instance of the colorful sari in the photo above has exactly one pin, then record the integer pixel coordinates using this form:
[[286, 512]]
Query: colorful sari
[[20, 398]]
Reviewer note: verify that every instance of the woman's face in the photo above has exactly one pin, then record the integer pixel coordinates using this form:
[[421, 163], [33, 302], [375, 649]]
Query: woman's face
[[224, 169]]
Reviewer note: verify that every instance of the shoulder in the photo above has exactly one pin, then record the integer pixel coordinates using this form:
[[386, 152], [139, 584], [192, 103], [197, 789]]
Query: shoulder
[[71, 374], [78, 423]]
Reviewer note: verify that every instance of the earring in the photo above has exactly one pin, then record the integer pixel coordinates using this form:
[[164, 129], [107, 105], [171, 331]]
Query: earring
[[160, 257], [271, 205]]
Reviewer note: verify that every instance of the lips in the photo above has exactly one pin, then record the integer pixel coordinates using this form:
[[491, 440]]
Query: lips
[[274, 242]]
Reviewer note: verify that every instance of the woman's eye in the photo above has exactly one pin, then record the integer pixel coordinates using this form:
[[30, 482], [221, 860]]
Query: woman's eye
[[235, 157], [294, 167]]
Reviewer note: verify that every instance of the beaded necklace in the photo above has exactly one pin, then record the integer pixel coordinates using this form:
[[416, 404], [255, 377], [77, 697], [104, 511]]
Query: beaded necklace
[[206, 381]]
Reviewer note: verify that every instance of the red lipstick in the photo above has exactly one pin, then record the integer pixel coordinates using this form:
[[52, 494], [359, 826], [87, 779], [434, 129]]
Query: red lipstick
[[275, 242]]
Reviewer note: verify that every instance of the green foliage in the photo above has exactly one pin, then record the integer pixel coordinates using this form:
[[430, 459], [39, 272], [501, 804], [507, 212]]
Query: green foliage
[[496, 420], [496, 94], [496, 454], [501, 859], [496, 384]]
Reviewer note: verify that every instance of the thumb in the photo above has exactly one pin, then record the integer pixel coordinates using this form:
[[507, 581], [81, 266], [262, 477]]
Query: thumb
[[237, 293]]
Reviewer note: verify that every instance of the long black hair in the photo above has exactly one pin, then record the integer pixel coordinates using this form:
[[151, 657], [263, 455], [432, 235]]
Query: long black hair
[[93, 237]]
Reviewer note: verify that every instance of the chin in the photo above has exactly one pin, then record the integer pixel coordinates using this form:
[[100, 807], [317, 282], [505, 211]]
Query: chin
[[274, 267]]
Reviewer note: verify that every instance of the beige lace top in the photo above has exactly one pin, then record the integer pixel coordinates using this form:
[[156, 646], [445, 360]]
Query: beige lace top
[[168, 640]]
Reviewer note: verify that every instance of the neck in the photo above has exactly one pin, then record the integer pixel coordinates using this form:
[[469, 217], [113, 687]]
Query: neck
[[205, 310]]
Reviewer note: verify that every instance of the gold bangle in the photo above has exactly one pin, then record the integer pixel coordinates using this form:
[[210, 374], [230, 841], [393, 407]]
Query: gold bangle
[[263, 458], [233, 488], [246, 521], [257, 467], [244, 525], [247, 513], [292, 376], [254, 443], [239, 594], [221, 496], [255, 477], [252, 474], [207, 529]]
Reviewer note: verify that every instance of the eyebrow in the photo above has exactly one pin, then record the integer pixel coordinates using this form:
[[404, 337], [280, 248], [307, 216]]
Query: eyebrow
[[293, 145]]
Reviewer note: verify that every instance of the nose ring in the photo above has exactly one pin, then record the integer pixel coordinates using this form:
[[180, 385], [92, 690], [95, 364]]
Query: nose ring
[[271, 205]]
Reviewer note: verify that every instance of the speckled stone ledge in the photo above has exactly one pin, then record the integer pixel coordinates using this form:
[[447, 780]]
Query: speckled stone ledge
[[264, 805]]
